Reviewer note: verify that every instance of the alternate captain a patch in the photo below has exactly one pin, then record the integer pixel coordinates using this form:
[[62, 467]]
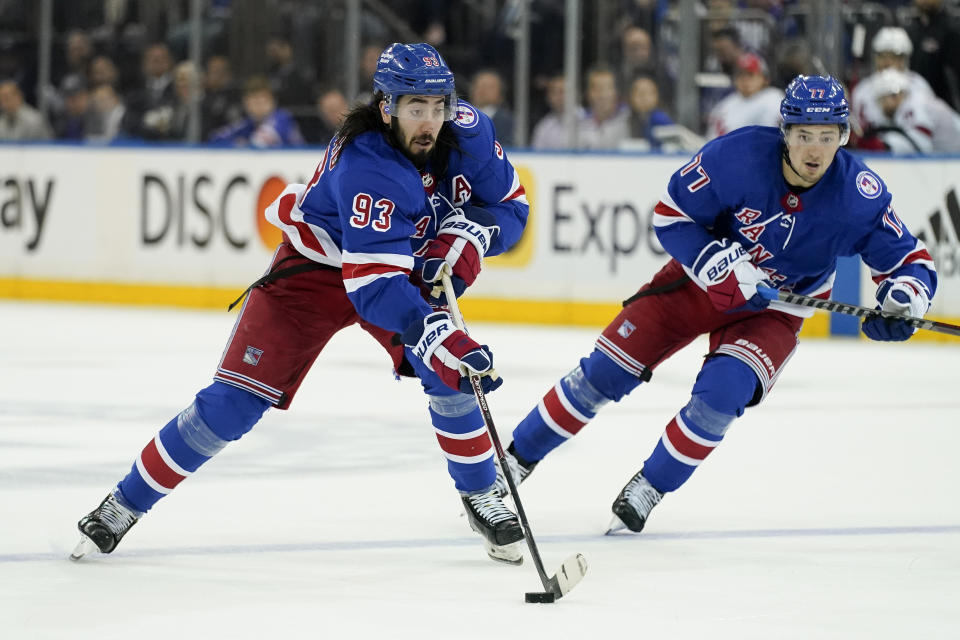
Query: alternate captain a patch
[[252, 356]]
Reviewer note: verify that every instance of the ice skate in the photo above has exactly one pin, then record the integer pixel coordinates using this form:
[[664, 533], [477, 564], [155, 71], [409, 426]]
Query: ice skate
[[499, 527], [104, 527], [519, 470], [634, 504]]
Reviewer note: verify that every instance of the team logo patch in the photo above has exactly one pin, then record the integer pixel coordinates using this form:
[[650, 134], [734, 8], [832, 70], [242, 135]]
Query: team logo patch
[[792, 201], [868, 185], [466, 116], [626, 329], [252, 356], [427, 179]]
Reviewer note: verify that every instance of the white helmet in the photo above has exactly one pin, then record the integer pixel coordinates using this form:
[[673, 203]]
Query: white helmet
[[893, 39]]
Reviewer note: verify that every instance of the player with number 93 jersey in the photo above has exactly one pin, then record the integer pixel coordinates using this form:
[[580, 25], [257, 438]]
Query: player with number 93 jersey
[[413, 186]]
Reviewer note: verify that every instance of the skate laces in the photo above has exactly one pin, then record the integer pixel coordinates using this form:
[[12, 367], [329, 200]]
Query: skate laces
[[517, 471], [490, 507], [641, 495], [117, 517]]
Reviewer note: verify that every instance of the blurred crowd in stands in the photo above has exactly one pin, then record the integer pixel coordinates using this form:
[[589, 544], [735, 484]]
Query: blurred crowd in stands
[[121, 71]]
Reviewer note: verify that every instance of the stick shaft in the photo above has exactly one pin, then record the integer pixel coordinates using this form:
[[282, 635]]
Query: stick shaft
[[481, 398], [865, 312]]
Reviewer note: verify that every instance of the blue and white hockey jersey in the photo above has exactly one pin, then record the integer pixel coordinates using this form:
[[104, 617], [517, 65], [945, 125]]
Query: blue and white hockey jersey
[[734, 188], [370, 212]]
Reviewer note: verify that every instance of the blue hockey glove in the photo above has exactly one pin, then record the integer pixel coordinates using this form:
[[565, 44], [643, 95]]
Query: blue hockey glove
[[451, 353], [464, 237], [731, 277], [901, 296]]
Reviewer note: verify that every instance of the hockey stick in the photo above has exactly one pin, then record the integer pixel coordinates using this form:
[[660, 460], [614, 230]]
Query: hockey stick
[[855, 310], [574, 567]]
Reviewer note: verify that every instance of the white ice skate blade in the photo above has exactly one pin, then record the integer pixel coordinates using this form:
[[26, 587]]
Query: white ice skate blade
[[616, 526], [508, 553], [85, 546]]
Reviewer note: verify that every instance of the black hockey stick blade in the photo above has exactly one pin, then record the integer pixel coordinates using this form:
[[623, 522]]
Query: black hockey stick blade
[[855, 310], [571, 572]]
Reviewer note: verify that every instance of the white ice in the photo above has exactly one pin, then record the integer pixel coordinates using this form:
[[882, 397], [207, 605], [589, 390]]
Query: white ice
[[831, 511]]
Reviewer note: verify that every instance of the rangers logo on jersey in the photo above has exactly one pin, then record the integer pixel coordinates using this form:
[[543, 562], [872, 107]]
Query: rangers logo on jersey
[[626, 329], [466, 116], [868, 185], [252, 356]]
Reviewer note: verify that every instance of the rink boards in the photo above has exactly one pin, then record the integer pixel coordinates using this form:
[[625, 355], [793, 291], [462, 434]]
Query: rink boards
[[184, 227]]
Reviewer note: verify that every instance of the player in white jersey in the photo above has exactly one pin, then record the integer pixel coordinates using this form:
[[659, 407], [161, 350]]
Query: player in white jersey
[[753, 103], [912, 122], [891, 50]]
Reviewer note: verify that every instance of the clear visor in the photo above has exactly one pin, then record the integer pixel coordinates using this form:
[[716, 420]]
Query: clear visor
[[423, 108], [798, 136]]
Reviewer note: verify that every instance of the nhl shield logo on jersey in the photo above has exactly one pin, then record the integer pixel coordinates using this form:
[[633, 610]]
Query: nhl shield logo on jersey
[[626, 329], [868, 185], [466, 116], [252, 356]]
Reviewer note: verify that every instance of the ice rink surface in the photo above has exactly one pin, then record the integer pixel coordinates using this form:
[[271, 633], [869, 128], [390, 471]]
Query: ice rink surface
[[831, 511]]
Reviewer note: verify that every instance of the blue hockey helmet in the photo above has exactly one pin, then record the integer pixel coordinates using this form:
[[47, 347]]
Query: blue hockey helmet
[[816, 100], [414, 69]]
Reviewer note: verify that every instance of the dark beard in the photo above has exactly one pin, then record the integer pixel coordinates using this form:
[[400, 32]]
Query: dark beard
[[418, 159]]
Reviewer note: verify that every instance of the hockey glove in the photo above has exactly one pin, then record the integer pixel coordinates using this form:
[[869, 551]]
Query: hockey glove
[[731, 277], [451, 353], [901, 296], [464, 237]]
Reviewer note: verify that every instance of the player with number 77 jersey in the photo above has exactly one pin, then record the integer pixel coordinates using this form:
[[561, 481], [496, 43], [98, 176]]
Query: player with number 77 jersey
[[412, 178], [758, 206]]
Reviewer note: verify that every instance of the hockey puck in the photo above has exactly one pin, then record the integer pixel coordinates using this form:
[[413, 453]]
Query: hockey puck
[[537, 596]]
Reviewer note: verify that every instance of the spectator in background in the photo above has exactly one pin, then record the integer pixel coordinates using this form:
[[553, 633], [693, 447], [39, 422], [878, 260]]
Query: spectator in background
[[936, 54], [636, 54], [911, 122], [891, 50], [265, 125], [332, 110], [604, 124], [73, 119], [18, 120], [369, 58], [753, 103], [645, 113], [487, 94], [108, 112], [187, 88], [549, 132], [719, 67], [725, 50], [150, 107], [221, 98], [78, 53], [288, 81], [103, 71]]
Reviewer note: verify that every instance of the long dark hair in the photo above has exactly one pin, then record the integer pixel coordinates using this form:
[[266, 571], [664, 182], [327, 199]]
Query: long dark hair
[[366, 117]]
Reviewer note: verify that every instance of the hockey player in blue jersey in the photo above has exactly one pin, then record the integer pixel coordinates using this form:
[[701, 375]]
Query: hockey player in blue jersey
[[414, 183], [758, 206]]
